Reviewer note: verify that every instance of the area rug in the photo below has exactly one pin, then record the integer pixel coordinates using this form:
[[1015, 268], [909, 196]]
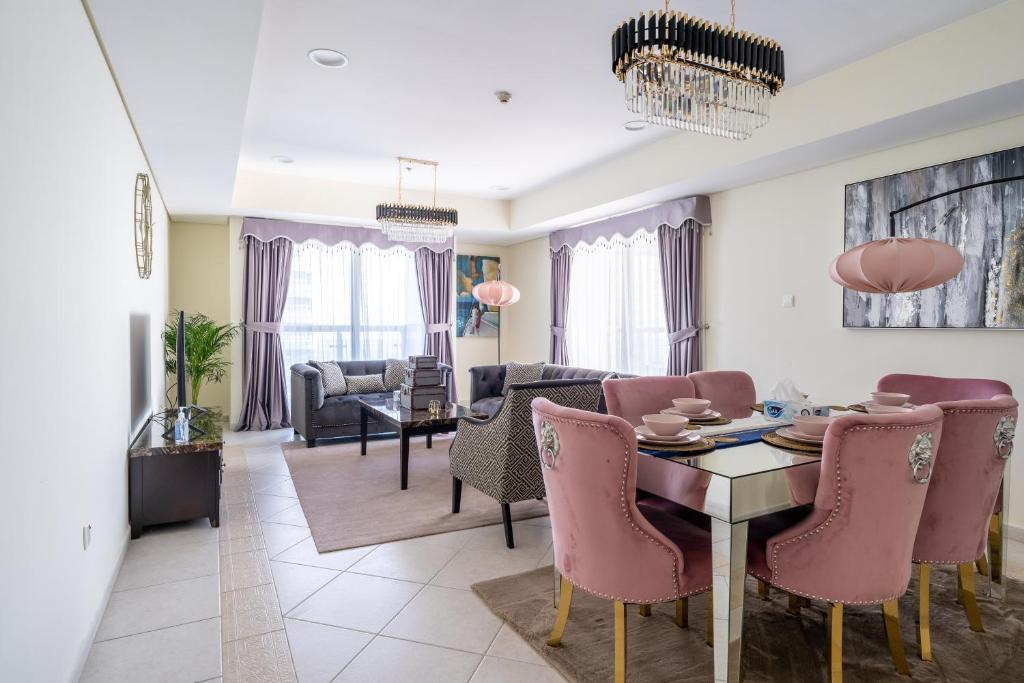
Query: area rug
[[777, 646], [351, 500]]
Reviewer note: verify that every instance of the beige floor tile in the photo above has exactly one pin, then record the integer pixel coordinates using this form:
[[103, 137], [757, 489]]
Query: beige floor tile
[[234, 514], [387, 660], [538, 521], [319, 652], [250, 612], [155, 607], [496, 670], [296, 582], [524, 535], [510, 645], [292, 515], [241, 545], [285, 488], [471, 566], [163, 564], [447, 617], [416, 559], [269, 506], [230, 533], [264, 481], [280, 537], [179, 654], [548, 558], [304, 552], [258, 659], [364, 603], [243, 570], [236, 494], [275, 465], [169, 537]]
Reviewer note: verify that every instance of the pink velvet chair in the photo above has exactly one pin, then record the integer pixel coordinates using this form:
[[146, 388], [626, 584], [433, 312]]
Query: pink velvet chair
[[731, 392], [977, 437], [854, 547], [633, 397], [604, 543]]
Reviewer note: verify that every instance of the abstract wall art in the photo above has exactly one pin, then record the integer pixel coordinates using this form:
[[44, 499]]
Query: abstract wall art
[[986, 224], [472, 318]]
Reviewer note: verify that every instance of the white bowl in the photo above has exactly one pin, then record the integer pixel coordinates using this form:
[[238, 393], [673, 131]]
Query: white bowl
[[665, 425], [691, 406], [878, 409], [888, 398], [812, 425]]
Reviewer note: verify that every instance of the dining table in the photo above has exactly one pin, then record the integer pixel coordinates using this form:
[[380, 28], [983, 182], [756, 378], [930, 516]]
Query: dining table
[[742, 479]]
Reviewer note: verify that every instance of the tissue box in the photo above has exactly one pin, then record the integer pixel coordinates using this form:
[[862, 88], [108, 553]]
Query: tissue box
[[784, 411]]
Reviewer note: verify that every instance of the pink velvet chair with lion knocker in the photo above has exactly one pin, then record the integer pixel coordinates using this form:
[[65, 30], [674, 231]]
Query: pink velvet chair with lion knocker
[[977, 439], [854, 546], [603, 542]]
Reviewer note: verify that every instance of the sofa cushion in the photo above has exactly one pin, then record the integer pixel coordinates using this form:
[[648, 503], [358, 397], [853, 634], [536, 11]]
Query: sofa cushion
[[520, 373], [331, 377], [342, 410], [365, 384], [394, 373], [362, 367], [566, 372], [489, 406]]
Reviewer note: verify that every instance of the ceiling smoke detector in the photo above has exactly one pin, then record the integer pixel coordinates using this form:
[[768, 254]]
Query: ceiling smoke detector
[[503, 96]]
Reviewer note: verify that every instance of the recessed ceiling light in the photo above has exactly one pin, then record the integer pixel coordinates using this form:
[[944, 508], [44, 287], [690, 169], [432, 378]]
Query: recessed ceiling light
[[635, 125], [499, 188], [330, 59], [282, 159]]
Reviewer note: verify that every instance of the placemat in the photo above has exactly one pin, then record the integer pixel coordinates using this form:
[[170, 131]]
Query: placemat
[[782, 442], [742, 438], [759, 408], [858, 407], [702, 446]]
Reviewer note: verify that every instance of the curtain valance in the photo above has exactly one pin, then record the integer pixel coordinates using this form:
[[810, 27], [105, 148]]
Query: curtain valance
[[269, 229], [673, 213]]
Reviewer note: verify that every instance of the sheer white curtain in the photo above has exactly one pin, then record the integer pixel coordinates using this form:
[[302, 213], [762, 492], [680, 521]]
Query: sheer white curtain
[[616, 315], [348, 303]]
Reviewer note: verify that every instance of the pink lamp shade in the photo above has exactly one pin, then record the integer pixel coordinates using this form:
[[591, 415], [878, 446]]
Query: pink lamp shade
[[496, 293], [896, 264]]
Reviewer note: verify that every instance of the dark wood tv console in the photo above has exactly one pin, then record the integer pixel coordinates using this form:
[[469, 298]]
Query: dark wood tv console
[[169, 482]]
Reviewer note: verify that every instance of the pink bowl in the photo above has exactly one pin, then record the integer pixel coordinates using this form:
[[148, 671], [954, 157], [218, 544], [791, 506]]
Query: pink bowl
[[888, 398], [812, 425], [665, 425], [877, 409], [691, 406]]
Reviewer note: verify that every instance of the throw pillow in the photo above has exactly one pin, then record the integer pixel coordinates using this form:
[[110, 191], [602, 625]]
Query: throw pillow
[[518, 373], [331, 376], [365, 384], [394, 373]]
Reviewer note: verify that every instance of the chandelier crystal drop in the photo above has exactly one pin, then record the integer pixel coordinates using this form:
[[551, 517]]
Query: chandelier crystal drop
[[401, 222], [683, 72]]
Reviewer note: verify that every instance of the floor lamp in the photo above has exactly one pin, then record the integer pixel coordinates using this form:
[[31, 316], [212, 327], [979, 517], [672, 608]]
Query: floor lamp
[[496, 293]]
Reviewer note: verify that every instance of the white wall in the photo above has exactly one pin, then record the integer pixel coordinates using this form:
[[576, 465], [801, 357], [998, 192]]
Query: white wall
[[69, 283], [777, 238], [526, 336]]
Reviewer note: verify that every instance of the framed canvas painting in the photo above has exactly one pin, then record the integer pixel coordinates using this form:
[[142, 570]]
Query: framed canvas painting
[[473, 319], [986, 224]]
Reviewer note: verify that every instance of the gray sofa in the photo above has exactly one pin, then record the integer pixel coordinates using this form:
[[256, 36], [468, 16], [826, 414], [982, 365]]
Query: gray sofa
[[486, 382], [316, 417]]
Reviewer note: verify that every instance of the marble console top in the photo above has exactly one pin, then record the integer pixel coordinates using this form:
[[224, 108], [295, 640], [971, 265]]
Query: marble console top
[[151, 441]]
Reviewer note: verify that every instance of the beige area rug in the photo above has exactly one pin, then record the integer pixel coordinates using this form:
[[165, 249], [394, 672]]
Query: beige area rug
[[777, 647], [351, 500]]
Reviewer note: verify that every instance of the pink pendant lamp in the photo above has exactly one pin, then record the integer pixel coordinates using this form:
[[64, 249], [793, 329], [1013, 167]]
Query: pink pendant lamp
[[496, 293], [902, 264]]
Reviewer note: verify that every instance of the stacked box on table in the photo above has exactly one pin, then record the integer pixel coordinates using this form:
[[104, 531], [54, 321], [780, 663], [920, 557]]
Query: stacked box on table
[[423, 378], [419, 398], [422, 384], [423, 362]]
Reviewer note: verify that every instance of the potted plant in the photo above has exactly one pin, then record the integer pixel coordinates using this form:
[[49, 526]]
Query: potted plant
[[205, 344]]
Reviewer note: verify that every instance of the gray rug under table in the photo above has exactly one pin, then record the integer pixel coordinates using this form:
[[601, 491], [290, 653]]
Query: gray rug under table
[[351, 500], [777, 646]]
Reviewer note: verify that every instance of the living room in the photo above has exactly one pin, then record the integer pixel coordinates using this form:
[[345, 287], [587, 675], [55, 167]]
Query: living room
[[446, 340]]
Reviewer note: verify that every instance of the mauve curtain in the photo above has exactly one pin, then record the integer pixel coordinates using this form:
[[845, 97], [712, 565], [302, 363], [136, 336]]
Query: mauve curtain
[[680, 250], [267, 271], [561, 268], [434, 272]]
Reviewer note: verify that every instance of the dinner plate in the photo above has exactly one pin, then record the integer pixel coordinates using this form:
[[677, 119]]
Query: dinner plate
[[691, 437], [876, 403], [790, 433], [706, 415]]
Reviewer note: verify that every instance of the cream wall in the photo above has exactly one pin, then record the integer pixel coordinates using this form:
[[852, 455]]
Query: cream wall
[[67, 270], [777, 238], [199, 284], [528, 267]]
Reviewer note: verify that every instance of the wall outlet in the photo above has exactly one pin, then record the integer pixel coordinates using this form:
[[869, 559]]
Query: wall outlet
[[788, 301], [86, 536]]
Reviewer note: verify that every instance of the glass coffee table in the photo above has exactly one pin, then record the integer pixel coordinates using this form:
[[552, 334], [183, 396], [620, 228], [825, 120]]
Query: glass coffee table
[[409, 423]]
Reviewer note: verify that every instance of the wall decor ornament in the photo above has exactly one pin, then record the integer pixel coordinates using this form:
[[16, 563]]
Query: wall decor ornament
[[936, 247], [474, 318], [143, 227]]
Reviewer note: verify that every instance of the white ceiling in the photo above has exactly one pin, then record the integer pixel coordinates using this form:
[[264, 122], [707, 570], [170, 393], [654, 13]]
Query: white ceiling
[[208, 97]]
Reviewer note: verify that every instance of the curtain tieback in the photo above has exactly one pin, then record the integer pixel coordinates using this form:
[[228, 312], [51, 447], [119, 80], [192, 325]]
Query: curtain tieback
[[438, 328], [558, 330], [682, 335], [265, 328]]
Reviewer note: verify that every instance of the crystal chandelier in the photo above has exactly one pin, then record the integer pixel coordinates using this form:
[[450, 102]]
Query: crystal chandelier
[[402, 222], [688, 73]]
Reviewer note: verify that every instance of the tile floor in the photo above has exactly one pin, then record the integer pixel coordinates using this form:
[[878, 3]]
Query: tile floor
[[254, 601]]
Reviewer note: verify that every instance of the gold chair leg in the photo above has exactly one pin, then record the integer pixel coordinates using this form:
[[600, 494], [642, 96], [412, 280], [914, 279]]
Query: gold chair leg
[[966, 572], [795, 603], [995, 546], [835, 642], [763, 590], [710, 639], [891, 616], [645, 610], [620, 642], [982, 564], [682, 612], [564, 602], [924, 631]]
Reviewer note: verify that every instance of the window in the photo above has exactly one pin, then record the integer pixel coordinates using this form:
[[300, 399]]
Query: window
[[346, 303], [616, 315]]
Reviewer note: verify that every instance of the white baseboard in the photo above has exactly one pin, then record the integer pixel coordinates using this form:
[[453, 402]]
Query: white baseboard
[[1015, 533], [94, 627]]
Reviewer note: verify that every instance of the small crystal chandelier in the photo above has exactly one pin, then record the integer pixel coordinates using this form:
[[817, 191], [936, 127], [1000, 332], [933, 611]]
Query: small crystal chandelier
[[688, 73], [402, 222]]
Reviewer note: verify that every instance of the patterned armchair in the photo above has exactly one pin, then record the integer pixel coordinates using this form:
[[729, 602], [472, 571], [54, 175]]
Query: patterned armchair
[[498, 455]]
